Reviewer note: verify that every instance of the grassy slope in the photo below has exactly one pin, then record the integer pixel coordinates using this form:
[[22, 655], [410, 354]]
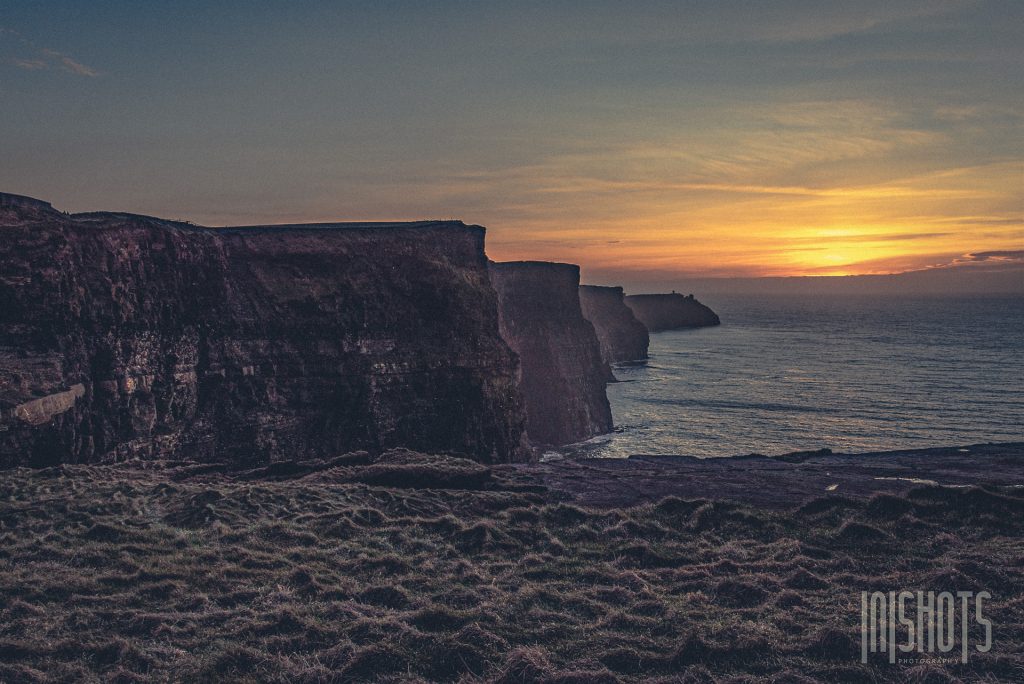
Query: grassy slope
[[116, 573]]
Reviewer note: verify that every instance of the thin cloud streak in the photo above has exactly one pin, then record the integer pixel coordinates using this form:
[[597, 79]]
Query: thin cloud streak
[[30, 64], [997, 255], [70, 65], [43, 58]]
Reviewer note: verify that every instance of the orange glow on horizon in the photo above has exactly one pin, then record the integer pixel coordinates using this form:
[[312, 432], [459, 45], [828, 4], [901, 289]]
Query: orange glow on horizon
[[768, 188], [743, 230]]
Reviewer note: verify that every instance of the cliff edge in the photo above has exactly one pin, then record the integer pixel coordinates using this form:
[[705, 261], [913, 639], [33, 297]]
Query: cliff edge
[[562, 375], [126, 336], [622, 336], [670, 311]]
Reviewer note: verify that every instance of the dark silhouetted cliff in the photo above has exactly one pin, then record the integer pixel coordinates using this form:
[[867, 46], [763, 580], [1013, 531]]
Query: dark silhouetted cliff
[[622, 336], [127, 336], [670, 311], [562, 374]]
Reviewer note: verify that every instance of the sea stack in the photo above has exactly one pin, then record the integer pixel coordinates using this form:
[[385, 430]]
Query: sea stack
[[671, 311], [562, 374], [622, 336], [125, 336]]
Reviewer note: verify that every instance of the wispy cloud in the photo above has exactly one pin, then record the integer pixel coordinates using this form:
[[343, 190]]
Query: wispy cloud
[[987, 260], [997, 255], [68, 64], [31, 57], [30, 64]]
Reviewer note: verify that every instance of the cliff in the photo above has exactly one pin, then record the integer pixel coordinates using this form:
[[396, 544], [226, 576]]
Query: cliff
[[670, 311], [622, 336], [562, 375], [128, 336]]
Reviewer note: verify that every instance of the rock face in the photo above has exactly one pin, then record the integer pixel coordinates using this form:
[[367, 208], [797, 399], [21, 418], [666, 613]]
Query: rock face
[[562, 375], [127, 336], [670, 311], [622, 336]]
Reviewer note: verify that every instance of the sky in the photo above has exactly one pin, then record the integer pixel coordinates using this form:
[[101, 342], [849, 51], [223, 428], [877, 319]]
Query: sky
[[646, 141]]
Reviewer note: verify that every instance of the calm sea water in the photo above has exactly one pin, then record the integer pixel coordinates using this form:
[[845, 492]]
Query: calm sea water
[[849, 373]]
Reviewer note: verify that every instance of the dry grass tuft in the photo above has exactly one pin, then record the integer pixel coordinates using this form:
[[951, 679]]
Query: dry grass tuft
[[411, 568]]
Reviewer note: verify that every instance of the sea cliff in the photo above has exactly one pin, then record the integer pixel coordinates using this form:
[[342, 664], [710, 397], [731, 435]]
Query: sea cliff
[[125, 336], [670, 311], [562, 375], [622, 336]]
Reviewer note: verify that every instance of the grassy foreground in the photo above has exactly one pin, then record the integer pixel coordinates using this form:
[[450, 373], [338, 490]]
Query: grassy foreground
[[351, 570]]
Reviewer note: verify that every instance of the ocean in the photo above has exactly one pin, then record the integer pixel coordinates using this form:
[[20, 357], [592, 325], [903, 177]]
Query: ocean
[[850, 373]]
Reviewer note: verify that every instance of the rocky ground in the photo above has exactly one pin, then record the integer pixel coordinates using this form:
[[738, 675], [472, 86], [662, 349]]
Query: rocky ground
[[777, 482], [414, 568]]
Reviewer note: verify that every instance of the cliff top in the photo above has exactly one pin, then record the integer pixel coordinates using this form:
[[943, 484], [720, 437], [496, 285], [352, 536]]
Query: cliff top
[[603, 289], [660, 295], [534, 265], [776, 482], [8, 199], [27, 209], [347, 225]]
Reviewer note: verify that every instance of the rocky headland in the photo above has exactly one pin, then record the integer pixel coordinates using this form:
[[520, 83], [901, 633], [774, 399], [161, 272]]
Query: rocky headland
[[622, 336], [125, 336], [671, 311], [562, 374]]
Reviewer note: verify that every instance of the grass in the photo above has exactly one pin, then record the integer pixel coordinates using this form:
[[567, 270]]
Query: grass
[[352, 570]]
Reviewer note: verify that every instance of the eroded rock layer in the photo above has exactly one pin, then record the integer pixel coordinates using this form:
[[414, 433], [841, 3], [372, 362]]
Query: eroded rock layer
[[562, 375], [670, 311], [622, 336], [127, 336]]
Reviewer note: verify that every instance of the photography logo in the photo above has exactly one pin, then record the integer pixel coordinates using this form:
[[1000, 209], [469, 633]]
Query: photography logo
[[905, 624]]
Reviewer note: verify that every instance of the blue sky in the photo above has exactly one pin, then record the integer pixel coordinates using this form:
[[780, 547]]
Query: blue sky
[[682, 138]]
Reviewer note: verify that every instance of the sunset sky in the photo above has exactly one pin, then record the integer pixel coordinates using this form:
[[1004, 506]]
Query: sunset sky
[[675, 138]]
